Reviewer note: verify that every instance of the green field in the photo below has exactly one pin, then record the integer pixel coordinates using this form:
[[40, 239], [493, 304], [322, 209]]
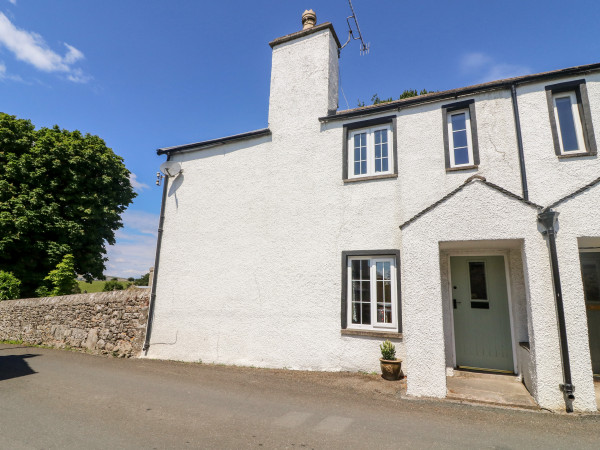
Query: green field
[[95, 286]]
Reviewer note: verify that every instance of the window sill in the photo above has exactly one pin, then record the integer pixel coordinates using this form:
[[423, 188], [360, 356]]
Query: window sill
[[375, 177], [575, 155], [372, 333], [456, 169]]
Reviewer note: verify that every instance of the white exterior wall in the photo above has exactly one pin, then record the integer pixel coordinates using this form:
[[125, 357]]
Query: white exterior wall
[[550, 178], [477, 213], [579, 217], [250, 269]]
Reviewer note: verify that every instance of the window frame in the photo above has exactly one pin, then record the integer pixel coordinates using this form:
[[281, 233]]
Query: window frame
[[582, 115], [346, 304], [448, 111], [369, 127]]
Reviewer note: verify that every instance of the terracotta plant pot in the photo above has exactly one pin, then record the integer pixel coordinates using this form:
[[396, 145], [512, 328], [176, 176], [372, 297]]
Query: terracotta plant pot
[[390, 368]]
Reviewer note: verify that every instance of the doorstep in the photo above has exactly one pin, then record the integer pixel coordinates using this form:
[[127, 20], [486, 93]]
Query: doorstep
[[488, 388]]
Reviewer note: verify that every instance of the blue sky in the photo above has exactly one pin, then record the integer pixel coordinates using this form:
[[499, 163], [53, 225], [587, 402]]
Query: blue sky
[[150, 74]]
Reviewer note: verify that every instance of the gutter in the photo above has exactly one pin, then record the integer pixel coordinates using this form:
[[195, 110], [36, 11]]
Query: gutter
[[515, 105], [156, 264], [548, 220], [461, 92]]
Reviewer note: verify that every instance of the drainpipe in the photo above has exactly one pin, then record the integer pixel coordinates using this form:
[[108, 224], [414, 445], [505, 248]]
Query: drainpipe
[[548, 220], [156, 262], [515, 105]]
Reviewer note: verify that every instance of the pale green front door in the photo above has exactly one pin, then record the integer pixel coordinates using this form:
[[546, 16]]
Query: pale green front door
[[481, 315], [590, 273]]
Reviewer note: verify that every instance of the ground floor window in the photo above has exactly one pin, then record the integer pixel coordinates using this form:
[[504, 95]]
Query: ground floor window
[[371, 294]]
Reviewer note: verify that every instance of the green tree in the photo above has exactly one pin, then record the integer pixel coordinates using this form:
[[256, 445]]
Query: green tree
[[143, 280], [62, 280], [112, 285], [61, 192], [9, 286]]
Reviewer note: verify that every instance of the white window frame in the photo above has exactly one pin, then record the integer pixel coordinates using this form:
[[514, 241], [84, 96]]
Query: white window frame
[[370, 132], [576, 119], [449, 115], [373, 289]]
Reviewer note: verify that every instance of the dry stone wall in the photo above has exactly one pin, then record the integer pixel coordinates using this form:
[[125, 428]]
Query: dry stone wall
[[101, 323]]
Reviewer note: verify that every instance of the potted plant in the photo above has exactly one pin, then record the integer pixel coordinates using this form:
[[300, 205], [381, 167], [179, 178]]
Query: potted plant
[[390, 365]]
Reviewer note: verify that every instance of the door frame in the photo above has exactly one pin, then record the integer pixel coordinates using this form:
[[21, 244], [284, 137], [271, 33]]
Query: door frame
[[504, 254]]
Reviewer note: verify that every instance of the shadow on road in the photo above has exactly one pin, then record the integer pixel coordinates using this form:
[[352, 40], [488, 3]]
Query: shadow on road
[[13, 366]]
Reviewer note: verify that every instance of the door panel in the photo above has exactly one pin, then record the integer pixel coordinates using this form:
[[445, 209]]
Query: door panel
[[590, 273], [481, 315]]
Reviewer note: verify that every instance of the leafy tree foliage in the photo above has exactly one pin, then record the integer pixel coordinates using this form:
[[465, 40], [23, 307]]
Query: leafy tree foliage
[[376, 100], [61, 193], [112, 285], [9, 286], [143, 280], [60, 281]]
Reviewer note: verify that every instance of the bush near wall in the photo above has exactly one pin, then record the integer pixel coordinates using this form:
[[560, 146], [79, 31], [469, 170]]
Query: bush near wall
[[101, 323]]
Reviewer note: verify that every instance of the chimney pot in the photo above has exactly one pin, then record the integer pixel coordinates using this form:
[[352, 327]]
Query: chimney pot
[[309, 19]]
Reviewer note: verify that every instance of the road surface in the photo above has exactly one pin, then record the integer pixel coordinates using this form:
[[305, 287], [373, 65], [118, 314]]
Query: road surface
[[56, 399]]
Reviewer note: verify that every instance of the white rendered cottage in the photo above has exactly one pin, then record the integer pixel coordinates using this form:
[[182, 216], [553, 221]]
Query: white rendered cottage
[[462, 225]]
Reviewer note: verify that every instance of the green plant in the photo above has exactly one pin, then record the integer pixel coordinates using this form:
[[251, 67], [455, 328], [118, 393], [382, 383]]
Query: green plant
[[10, 286], [61, 192], [112, 285], [388, 351], [62, 279], [143, 280]]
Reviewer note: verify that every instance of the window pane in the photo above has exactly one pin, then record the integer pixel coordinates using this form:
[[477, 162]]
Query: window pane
[[366, 313], [387, 287], [355, 269], [377, 151], [378, 165], [459, 121], [461, 156], [357, 154], [477, 278], [378, 137], [459, 138], [385, 167], [356, 168], [365, 269], [384, 151], [388, 314], [363, 167], [356, 291], [591, 283], [356, 312], [566, 124]]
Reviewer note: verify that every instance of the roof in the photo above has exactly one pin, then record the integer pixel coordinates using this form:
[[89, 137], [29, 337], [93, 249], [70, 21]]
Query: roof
[[468, 181], [453, 93], [302, 33], [213, 142]]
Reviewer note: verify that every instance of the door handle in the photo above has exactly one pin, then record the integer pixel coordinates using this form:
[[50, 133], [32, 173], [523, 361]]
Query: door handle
[[454, 302]]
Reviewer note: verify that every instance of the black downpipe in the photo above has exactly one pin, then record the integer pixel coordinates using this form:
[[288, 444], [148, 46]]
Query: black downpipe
[[156, 262], [548, 220], [513, 91]]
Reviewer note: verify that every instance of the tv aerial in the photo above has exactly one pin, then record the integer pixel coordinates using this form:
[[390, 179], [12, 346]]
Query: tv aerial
[[169, 169], [354, 32]]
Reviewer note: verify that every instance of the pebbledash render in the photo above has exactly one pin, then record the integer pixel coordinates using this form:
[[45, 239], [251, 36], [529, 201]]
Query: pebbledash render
[[463, 225]]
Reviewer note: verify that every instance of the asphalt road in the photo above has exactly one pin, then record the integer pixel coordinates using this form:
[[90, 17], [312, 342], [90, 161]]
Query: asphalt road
[[53, 399]]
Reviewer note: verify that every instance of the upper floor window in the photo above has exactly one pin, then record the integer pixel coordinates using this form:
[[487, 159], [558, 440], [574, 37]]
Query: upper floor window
[[370, 149], [460, 135], [570, 118], [370, 153]]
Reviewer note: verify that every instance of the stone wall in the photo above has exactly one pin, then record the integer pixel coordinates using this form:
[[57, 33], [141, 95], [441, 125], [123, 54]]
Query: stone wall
[[102, 323]]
